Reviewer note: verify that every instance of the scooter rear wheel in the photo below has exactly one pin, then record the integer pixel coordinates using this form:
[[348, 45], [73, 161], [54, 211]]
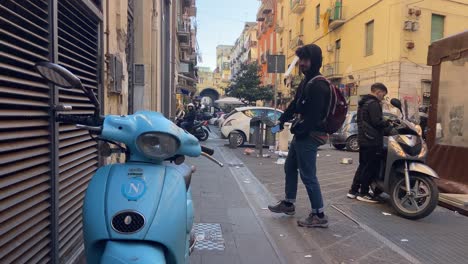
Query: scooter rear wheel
[[424, 197]]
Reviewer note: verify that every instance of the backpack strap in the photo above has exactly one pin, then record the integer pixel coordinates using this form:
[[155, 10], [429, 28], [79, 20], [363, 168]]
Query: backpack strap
[[332, 94]]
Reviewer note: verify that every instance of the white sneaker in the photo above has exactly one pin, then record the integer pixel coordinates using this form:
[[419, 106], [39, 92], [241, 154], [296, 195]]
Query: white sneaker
[[351, 195], [367, 199]]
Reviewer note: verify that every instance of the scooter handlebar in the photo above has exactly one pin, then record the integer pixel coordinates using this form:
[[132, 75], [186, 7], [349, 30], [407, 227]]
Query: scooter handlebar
[[207, 150]]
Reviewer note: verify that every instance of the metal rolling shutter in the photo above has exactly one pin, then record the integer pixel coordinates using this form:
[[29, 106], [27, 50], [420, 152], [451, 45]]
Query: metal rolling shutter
[[24, 134], [78, 51]]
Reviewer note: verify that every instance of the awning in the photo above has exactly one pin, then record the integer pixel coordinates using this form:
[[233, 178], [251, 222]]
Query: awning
[[229, 100], [182, 91], [187, 78]]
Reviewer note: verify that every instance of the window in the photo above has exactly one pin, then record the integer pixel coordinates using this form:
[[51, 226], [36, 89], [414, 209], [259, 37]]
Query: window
[[317, 15], [254, 113], [271, 115], [370, 38], [282, 12], [281, 42], [290, 35], [437, 27], [338, 44], [301, 27]]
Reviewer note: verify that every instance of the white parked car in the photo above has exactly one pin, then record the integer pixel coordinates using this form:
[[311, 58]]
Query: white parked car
[[239, 120]]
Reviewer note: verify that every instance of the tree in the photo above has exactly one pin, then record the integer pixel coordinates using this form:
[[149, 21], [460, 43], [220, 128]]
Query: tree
[[247, 85]]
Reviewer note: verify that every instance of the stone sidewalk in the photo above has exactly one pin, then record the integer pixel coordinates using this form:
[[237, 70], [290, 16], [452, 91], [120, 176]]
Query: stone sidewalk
[[220, 203], [361, 232]]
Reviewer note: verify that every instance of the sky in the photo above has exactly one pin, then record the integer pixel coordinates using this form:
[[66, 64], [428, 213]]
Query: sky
[[220, 22]]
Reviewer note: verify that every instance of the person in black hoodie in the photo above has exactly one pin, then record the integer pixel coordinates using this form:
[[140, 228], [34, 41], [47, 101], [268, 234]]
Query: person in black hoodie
[[310, 105], [371, 130]]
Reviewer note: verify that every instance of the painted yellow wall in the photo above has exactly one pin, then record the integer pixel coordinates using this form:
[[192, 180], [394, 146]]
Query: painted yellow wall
[[117, 19], [456, 21], [390, 56]]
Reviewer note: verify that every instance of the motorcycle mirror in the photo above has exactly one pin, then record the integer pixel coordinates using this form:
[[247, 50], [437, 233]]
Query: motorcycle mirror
[[396, 103], [105, 149], [58, 75]]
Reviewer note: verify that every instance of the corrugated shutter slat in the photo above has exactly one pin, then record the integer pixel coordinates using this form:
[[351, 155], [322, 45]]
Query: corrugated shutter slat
[[78, 160], [25, 146]]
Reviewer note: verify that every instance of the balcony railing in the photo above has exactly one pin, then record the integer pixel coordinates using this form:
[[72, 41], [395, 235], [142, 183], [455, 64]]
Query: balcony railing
[[269, 20], [336, 17], [296, 42], [183, 31], [298, 6], [333, 70], [279, 28]]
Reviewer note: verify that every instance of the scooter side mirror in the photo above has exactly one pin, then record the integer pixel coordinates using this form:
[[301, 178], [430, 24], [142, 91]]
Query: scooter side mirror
[[396, 103], [105, 149], [58, 75]]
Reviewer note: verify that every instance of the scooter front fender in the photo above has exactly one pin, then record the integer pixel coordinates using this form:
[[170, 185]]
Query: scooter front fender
[[422, 168], [126, 252]]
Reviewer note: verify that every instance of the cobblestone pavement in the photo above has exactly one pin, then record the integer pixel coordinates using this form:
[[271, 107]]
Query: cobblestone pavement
[[361, 232]]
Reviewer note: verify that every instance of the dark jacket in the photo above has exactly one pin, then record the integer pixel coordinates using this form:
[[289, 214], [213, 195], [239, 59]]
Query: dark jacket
[[311, 100], [190, 116], [371, 125]]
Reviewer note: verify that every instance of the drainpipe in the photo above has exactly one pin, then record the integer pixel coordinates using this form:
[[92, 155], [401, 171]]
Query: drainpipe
[[155, 46]]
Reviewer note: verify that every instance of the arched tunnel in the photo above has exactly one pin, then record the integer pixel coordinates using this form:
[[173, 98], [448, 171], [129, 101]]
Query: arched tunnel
[[209, 95]]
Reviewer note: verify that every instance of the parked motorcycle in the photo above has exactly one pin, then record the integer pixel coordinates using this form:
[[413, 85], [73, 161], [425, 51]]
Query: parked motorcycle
[[404, 176], [200, 129], [140, 211]]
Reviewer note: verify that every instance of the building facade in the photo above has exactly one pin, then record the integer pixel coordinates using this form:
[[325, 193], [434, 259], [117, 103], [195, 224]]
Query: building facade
[[245, 48], [223, 59], [370, 41], [266, 17]]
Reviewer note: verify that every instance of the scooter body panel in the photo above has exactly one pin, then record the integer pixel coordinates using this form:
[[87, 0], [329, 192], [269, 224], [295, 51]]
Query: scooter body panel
[[124, 252], [156, 192]]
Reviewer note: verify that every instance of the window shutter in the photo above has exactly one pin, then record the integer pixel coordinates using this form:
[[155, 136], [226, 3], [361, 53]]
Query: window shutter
[[437, 27], [370, 38]]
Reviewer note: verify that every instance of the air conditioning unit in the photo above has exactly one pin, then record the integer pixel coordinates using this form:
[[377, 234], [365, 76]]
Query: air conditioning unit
[[408, 26], [330, 47]]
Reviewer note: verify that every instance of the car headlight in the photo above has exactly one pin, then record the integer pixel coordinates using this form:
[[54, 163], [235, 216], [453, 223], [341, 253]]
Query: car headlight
[[156, 145]]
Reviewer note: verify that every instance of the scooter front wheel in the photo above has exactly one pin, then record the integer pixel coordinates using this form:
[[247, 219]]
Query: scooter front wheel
[[204, 135], [422, 201]]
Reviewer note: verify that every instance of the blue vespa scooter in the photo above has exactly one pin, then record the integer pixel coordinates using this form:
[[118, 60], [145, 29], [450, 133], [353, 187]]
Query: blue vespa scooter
[[140, 211]]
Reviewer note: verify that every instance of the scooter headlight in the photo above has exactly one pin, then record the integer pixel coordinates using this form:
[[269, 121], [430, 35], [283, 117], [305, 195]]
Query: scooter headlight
[[156, 145], [392, 143], [423, 152], [418, 130]]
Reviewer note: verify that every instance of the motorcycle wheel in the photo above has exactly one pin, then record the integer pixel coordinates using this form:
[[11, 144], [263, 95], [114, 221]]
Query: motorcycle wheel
[[423, 201], [203, 135]]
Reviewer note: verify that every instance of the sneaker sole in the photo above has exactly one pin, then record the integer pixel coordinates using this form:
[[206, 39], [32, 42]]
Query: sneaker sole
[[367, 201], [313, 226], [282, 212], [351, 196]]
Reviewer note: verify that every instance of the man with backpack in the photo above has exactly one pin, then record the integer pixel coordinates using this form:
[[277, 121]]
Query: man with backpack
[[310, 108], [371, 130]]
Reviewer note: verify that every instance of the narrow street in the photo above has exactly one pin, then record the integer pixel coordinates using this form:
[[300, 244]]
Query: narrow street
[[236, 197]]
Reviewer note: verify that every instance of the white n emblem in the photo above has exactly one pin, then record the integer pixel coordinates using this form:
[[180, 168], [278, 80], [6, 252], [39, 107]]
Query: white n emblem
[[135, 188]]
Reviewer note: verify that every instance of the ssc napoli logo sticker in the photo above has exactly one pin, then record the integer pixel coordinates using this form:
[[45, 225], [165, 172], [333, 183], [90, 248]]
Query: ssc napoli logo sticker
[[134, 189]]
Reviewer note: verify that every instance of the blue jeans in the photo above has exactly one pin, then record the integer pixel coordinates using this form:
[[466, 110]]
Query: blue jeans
[[302, 156]]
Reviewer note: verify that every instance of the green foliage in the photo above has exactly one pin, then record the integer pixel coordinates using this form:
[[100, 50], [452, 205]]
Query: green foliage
[[247, 85]]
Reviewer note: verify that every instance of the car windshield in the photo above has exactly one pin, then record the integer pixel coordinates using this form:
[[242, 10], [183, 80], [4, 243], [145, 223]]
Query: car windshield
[[230, 114]]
